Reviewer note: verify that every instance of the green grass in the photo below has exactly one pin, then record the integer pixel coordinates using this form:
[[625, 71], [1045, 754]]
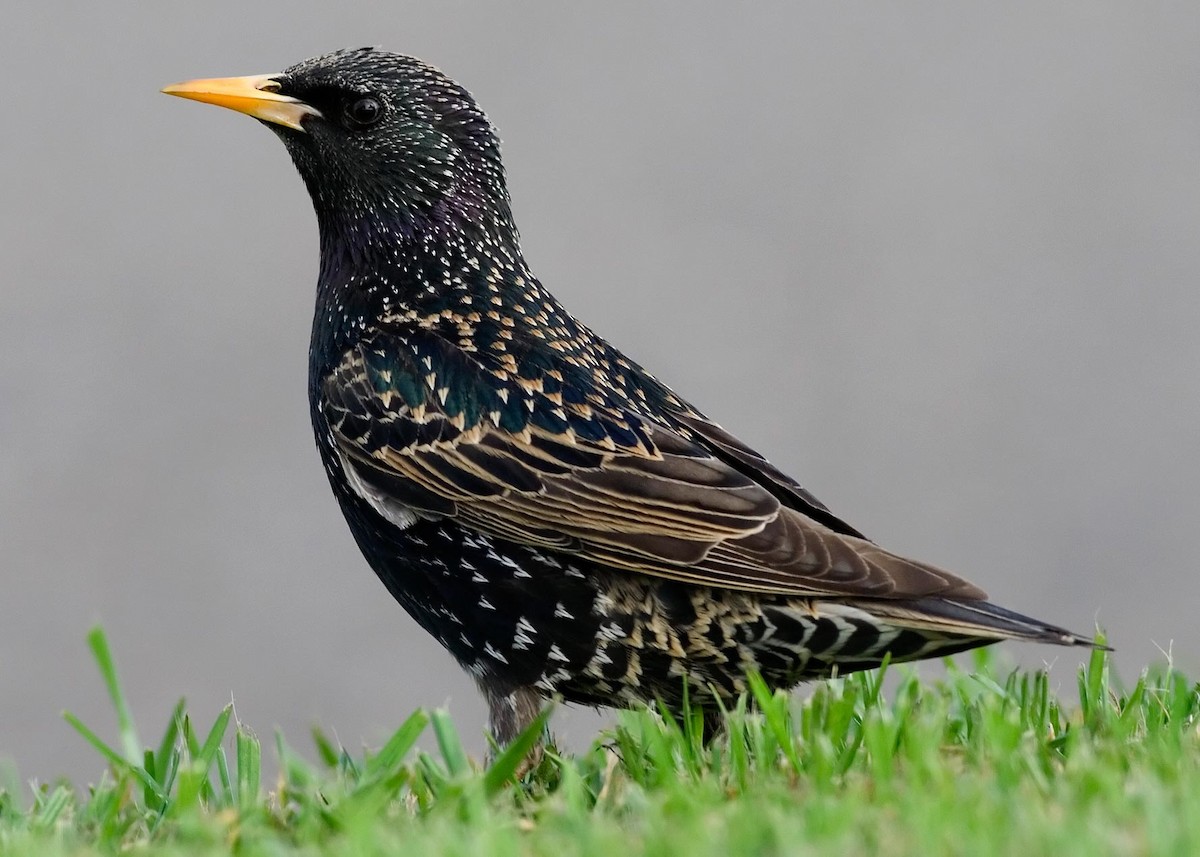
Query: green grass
[[976, 763]]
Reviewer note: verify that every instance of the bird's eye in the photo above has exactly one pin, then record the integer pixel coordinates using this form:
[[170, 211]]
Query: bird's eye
[[363, 112]]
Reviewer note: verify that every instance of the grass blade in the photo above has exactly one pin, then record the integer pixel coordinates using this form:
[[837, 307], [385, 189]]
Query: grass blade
[[48, 811], [130, 744], [215, 736], [167, 744], [326, 752], [249, 766], [393, 752], [457, 763], [118, 761], [226, 795], [504, 769]]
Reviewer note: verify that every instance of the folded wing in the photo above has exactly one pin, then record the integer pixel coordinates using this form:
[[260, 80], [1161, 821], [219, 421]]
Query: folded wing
[[425, 428]]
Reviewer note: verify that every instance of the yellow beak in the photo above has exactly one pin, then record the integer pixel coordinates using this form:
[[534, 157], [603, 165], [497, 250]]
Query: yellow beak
[[257, 96]]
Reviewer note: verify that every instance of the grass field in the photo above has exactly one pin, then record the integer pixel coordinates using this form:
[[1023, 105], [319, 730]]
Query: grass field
[[976, 763]]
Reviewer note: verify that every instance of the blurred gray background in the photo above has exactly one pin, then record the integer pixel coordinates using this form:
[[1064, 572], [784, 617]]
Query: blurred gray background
[[938, 261]]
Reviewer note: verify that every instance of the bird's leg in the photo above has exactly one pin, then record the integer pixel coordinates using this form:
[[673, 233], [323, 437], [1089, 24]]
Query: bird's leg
[[511, 710], [712, 726]]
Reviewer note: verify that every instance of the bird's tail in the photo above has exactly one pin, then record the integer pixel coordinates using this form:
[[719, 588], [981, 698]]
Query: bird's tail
[[979, 620], [857, 634]]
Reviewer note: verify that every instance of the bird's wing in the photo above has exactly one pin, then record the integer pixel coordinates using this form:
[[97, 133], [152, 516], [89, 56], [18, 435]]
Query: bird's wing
[[744, 459], [425, 428]]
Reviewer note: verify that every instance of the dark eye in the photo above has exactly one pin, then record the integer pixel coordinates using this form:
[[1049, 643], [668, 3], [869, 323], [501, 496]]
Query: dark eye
[[363, 112]]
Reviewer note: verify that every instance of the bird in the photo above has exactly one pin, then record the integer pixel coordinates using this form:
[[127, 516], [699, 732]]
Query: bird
[[566, 525]]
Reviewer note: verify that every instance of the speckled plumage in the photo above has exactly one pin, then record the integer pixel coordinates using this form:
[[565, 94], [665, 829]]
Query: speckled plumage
[[562, 522]]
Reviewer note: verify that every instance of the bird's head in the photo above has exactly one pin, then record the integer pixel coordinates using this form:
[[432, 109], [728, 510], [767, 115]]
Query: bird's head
[[383, 141]]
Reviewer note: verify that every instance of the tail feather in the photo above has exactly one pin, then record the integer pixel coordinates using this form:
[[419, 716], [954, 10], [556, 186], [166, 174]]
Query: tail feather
[[976, 619], [842, 636]]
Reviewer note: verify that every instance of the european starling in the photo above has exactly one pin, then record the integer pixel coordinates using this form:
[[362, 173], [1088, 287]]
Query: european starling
[[558, 518]]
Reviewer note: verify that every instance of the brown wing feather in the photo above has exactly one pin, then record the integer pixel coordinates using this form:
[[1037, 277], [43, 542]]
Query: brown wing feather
[[741, 457], [660, 505]]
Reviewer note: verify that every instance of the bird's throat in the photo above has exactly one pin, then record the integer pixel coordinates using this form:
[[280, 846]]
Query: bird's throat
[[382, 266]]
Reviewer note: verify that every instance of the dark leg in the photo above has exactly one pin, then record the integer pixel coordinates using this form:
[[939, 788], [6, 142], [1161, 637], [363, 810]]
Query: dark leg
[[713, 725], [510, 712]]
